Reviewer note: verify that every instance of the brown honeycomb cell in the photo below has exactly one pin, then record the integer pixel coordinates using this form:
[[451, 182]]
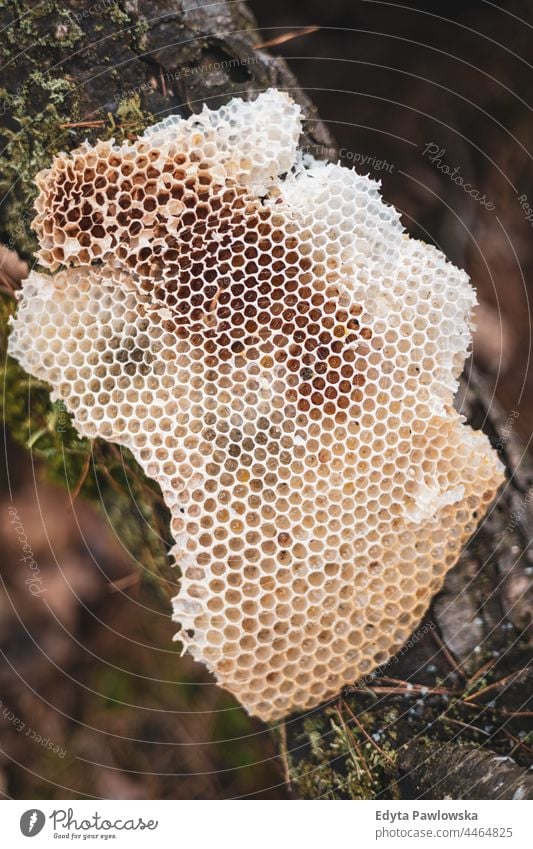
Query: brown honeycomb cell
[[258, 330]]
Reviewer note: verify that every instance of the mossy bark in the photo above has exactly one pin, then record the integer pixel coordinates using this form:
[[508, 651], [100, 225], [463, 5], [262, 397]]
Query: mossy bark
[[108, 68], [112, 65]]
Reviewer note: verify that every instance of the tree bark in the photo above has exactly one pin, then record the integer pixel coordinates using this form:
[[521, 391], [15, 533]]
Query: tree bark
[[109, 68], [462, 772], [101, 69]]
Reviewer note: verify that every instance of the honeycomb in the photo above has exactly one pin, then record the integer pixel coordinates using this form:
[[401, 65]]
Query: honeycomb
[[256, 327]]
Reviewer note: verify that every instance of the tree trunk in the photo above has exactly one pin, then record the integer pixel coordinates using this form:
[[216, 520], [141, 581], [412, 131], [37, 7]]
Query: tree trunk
[[462, 772], [109, 68]]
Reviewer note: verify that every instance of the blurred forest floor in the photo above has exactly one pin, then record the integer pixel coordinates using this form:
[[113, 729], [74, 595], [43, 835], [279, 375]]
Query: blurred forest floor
[[89, 666], [94, 700]]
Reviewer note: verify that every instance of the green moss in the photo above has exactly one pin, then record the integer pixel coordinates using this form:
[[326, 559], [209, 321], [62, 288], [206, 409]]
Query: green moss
[[318, 782], [27, 23], [67, 32], [42, 100], [116, 13], [29, 149], [132, 117], [333, 758], [57, 89]]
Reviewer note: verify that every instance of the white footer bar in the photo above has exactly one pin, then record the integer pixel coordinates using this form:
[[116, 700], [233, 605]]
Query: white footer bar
[[267, 824]]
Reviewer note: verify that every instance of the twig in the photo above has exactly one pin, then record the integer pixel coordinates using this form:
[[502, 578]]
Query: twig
[[129, 471], [475, 705], [95, 123], [363, 730], [406, 688], [495, 684], [84, 472], [287, 36], [455, 665], [518, 743], [6, 287], [92, 124], [125, 582], [162, 79], [284, 754], [358, 752], [481, 671], [101, 467], [466, 725]]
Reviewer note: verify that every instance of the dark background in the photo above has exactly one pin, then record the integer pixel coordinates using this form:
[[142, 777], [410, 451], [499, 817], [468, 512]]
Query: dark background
[[95, 671]]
